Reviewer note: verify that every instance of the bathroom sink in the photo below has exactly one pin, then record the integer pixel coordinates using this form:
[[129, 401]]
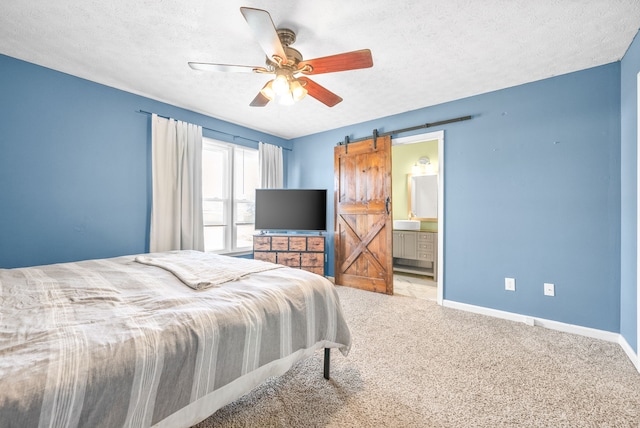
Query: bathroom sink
[[406, 224]]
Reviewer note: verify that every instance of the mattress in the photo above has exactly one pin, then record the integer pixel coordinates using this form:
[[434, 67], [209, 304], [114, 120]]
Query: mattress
[[115, 342]]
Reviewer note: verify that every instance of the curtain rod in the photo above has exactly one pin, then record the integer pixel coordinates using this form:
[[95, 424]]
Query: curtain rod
[[213, 130], [400, 131]]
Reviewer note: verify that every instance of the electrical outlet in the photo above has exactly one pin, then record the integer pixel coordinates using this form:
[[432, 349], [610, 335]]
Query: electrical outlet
[[510, 284], [549, 289]]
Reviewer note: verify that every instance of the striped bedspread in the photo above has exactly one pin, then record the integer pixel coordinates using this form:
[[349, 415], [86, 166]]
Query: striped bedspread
[[113, 342]]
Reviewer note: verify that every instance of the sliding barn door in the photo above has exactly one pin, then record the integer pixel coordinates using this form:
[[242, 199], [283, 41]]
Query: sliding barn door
[[362, 201]]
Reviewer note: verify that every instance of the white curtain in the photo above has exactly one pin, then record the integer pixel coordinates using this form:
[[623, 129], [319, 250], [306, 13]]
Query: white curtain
[[271, 169], [176, 162]]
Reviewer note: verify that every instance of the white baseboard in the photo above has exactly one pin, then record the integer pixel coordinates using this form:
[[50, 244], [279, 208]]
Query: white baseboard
[[533, 321], [553, 325], [635, 359]]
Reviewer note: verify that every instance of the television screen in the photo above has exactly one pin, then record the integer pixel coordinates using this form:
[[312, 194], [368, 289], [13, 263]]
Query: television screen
[[291, 209]]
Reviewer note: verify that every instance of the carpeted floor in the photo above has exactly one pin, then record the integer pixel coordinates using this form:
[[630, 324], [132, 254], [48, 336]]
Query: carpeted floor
[[416, 364]]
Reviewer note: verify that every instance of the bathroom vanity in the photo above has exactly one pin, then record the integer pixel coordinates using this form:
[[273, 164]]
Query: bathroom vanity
[[415, 251]]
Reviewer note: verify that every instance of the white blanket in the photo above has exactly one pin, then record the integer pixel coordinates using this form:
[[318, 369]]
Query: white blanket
[[201, 270]]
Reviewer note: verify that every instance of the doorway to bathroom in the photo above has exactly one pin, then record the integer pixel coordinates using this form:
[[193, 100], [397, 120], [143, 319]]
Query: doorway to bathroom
[[417, 211]]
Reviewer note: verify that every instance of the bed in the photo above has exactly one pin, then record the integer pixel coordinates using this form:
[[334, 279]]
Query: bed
[[162, 339]]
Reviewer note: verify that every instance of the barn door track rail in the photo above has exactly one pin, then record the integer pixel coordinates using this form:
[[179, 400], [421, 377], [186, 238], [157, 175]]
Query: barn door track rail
[[376, 134]]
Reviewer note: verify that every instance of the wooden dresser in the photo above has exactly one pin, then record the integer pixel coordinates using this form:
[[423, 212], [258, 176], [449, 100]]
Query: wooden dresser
[[296, 251]]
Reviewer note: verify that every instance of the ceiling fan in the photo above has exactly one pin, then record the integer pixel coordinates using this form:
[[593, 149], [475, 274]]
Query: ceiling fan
[[286, 63]]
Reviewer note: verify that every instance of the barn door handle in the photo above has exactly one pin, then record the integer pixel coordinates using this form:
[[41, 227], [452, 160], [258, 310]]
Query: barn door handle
[[386, 204]]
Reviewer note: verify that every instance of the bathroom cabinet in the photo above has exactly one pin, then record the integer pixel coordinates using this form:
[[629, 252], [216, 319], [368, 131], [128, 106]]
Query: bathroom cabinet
[[415, 252]]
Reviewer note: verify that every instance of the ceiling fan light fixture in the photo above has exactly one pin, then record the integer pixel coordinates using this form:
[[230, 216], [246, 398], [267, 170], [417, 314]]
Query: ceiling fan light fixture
[[298, 91], [281, 83], [267, 90]]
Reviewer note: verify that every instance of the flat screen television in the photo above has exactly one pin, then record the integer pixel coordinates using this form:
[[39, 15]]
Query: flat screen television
[[291, 209]]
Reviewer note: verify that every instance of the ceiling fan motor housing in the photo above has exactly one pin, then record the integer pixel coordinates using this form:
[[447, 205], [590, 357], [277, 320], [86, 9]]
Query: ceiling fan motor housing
[[287, 37], [294, 57]]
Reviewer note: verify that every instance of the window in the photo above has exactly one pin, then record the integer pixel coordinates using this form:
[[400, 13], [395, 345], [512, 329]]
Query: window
[[229, 179]]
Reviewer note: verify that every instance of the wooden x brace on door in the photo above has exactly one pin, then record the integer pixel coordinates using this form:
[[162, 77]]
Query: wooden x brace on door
[[361, 248]]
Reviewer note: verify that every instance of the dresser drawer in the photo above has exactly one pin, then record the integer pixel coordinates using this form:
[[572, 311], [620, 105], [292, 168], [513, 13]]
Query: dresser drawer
[[312, 259], [426, 237], [262, 243], [288, 259], [315, 243], [298, 243], [280, 243], [316, 270], [426, 256], [425, 246], [265, 256]]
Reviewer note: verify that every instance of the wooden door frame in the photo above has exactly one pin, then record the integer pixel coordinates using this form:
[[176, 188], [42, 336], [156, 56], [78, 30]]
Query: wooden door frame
[[420, 138]]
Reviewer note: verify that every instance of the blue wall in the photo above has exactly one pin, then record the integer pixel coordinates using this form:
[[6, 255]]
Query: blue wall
[[533, 183], [532, 192], [75, 165], [630, 66]]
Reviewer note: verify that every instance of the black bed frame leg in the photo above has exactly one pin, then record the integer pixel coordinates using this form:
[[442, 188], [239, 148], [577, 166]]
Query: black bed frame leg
[[327, 362]]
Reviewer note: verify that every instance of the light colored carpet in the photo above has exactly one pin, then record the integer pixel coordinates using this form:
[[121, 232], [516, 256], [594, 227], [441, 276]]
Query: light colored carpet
[[416, 364]]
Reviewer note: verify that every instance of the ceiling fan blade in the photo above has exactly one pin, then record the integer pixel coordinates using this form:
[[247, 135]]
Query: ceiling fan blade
[[259, 101], [320, 93], [340, 62], [264, 31], [207, 66]]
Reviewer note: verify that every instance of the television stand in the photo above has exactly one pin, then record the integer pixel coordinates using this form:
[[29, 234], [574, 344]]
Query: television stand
[[297, 251]]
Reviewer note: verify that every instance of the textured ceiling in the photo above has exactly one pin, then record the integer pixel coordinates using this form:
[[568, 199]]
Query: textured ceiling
[[425, 52]]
